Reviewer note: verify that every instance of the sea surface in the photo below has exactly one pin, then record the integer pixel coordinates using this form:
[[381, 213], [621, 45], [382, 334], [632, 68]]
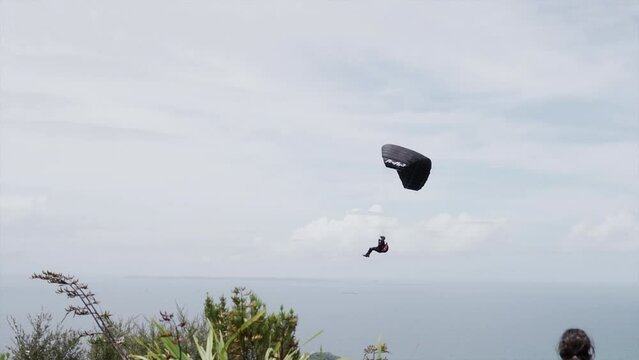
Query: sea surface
[[438, 321]]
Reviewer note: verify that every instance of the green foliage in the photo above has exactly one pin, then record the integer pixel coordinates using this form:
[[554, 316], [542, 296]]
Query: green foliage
[[128, 333], [238, 330], [274, 332], [215, 348], [166, 346], [74, 289], [169, 345], [4, 356], [138, 338], [45, 341]]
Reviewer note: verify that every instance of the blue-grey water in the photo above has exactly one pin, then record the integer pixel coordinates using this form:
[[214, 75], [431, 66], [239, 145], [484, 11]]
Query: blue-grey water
[[438, 321]]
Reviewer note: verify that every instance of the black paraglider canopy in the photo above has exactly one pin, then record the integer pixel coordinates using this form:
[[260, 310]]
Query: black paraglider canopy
[[413, 168]]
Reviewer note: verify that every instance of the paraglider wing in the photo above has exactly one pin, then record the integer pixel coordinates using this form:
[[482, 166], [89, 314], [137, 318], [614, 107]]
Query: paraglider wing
[[413, 168]]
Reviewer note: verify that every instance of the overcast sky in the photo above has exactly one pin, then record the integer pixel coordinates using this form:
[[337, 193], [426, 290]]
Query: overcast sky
[[218, 138]]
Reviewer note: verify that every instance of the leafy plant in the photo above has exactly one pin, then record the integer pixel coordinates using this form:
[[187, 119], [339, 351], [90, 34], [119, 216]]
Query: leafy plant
[[274, 331], [73, 289], [241, 330], [376, 352], [215, 348], [44, 341], [131, 334]]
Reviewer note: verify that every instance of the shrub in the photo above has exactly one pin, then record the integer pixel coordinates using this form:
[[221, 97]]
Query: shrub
[[274, 331], [215, 347], [45, 341]]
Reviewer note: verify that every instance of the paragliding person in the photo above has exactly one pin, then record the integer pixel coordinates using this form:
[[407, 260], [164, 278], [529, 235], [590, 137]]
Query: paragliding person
[[381, 247]]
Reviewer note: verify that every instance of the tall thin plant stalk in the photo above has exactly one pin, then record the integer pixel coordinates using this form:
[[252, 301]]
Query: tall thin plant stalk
[[73, 288]]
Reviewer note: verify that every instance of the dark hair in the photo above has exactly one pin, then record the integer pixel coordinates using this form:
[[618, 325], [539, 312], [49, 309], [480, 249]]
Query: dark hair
[[575, 345]]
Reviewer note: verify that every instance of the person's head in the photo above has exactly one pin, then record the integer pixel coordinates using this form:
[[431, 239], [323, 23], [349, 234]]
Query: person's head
[[382, 237], [575, 345]]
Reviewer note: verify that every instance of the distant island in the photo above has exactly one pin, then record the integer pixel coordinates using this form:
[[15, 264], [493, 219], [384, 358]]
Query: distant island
[[323, 356]]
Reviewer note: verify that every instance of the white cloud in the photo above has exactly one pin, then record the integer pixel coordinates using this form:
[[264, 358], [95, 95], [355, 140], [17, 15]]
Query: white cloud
[[376, 208], [619, 231], [448, 233], [443, 233]]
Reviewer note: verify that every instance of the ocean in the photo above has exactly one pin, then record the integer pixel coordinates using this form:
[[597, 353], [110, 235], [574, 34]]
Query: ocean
[[429, 320]]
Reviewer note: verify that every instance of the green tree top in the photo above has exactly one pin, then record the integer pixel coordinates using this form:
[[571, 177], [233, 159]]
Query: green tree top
[[252, 343]]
